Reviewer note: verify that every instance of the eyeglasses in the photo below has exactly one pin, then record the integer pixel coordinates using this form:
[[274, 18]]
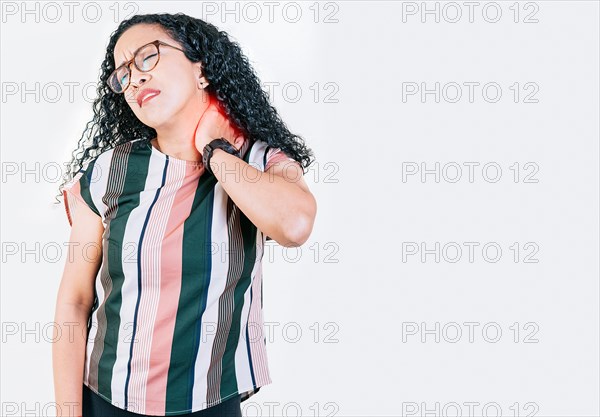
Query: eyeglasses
[[145, 59]]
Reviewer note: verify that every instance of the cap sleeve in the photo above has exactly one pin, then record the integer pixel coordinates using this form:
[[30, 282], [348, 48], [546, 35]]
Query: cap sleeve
[[275, 155], [77, 192]]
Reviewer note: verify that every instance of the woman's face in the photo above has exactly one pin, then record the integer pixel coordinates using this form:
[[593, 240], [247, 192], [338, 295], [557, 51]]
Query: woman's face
[[175, 76]]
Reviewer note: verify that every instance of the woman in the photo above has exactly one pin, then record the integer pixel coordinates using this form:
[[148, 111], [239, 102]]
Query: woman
[[189, 170]]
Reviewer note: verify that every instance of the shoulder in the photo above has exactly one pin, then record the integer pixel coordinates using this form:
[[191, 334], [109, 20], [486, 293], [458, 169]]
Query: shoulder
[[91, 181], [263, 155], [105, 161], [122, 148]]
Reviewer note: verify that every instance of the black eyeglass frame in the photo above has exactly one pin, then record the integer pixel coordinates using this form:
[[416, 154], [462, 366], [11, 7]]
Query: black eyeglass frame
[[127, 64]]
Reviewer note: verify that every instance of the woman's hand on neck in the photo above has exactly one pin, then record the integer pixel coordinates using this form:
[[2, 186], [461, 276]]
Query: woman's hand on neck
[[215, 124]]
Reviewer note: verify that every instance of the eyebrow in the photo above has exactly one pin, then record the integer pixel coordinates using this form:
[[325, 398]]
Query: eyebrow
[[134, 51], [122, 62]]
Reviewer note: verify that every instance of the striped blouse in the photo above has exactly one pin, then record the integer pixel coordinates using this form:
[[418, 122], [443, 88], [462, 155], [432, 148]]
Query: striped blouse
[[181, 276]]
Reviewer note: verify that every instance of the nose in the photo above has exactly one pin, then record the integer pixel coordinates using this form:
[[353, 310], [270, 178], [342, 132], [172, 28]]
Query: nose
[[137, 81], [138, 78]]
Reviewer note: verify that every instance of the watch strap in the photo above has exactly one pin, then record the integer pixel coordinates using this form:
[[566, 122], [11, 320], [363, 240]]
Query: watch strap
[[219, 143]]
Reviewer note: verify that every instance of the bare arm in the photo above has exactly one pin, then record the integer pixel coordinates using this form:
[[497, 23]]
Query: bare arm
[[277, 201], [73, 304]]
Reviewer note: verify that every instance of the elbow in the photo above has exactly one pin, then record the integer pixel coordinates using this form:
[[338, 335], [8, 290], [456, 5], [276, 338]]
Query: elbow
[[300, 229], [297, 235]]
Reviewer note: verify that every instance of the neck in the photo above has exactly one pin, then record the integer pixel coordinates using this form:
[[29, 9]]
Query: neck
[[176, 138]]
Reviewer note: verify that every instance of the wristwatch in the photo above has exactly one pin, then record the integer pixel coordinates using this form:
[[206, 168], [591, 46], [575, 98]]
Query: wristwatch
[[220, 143]]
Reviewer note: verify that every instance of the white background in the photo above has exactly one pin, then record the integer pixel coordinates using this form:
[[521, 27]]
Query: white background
[[355, 291]]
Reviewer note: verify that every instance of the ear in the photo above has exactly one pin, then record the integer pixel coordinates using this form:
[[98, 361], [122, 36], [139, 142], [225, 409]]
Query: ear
[[198, 69], [202, 81]]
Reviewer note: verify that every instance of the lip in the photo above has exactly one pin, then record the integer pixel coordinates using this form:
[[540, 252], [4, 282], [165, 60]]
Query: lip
[[141, 97]]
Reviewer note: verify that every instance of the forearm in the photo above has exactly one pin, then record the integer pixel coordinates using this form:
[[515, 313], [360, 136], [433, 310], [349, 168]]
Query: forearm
[[68, 357], [279, 208]]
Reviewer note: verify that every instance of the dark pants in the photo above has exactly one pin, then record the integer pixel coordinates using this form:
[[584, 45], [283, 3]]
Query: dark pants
[[95, 406]]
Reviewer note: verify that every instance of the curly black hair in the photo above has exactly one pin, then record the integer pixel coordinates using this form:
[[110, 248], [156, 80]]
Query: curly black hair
[[231, 80]]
